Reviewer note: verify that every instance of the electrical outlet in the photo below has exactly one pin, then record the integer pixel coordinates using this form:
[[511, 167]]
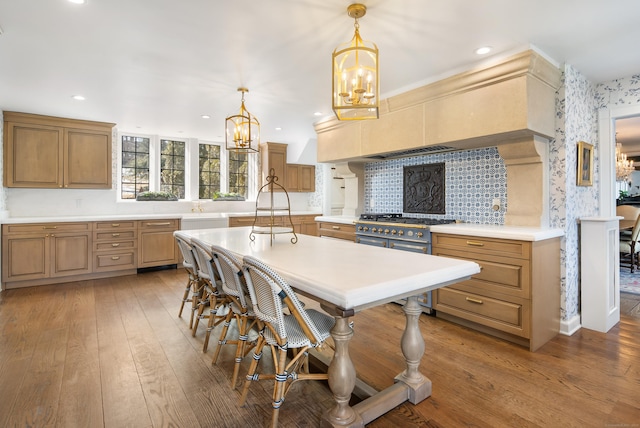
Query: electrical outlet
[[495, 205]]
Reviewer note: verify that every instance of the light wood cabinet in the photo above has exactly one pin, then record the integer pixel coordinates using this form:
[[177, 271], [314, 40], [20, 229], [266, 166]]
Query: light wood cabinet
[[274, 156], [51, 152], [40, 252], [115, 245], [156, 244], [302, 224], [516, 295], [337, 230], [49, 253], [301, 178]]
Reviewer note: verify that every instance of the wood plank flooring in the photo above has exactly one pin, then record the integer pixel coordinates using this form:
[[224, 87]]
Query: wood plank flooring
[[113, 353]]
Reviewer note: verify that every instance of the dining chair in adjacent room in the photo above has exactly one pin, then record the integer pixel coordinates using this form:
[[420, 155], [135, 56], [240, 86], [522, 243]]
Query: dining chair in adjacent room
[[234, 286], [213, 296], [193, 290], [629, 247], [299, 330], [627, 212]]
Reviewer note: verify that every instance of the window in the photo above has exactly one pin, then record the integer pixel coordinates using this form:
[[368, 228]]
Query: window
[[209, 170], [135, 166], [172, 154], [238, 172]]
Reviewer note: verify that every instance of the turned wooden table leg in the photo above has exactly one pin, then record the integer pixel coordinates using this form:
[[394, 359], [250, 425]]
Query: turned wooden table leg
[[342, 379], [413, 349]]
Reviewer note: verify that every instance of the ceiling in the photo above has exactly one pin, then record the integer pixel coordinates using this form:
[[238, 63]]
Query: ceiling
[[157, 66]]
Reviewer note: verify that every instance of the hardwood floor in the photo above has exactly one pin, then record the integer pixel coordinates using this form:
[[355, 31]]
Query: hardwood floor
[[113, 353]]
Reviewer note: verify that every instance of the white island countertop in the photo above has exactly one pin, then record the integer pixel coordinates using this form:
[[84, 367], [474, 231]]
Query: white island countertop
[[521, 233]]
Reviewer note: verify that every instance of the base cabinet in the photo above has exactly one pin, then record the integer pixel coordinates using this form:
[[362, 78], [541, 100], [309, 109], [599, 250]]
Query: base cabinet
[[337, 230], [302, 224], [156, 244], [49, 253], [516, 295]]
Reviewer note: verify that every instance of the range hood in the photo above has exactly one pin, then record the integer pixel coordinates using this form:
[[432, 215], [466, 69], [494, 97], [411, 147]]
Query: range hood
[[413, 152]]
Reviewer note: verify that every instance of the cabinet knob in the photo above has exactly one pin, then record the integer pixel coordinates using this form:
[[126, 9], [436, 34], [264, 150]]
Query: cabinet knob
[[115, 235], [335, 227], [115, 258], [115, 245]]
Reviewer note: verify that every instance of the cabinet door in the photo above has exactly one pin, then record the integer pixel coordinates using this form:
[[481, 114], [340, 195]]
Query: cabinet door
[[25, 257], [71, 254], [87, 159], [156, 244], [274, 155], [33, 156], [293, 178], [307, 178]]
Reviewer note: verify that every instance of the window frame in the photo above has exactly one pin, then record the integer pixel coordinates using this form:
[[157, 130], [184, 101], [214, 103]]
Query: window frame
[[192, 166]]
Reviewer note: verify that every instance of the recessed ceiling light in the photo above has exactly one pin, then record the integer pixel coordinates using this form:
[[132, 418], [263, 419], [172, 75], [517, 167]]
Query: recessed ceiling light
[[278, 128], [78, 1], [205, 116], [483, 50], [318, 113], [78, 97]]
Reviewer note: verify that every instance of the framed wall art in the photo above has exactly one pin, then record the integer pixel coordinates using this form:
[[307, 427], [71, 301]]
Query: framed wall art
[[585, 164]]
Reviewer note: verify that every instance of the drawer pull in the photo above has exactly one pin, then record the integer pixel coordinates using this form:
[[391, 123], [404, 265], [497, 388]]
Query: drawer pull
[[115, 245], [49, 227], [115, 258], [469, 299], [115, 224], [159, 224], [475, 243], [335, 227], [115, 235]]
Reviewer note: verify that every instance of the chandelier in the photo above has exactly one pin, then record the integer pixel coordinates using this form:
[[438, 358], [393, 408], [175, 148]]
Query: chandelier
[[356, 85], [624, 167], [243, 130]]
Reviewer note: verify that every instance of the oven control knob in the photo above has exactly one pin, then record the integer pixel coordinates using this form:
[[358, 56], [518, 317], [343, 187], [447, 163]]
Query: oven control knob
[[366, 229], [420, 234], [400, 232], [393, 231], [359, 228], [386, 231], [374, 230], [380, 230]]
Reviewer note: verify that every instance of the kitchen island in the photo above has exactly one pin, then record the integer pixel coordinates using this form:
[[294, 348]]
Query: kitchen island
[[346, 278]]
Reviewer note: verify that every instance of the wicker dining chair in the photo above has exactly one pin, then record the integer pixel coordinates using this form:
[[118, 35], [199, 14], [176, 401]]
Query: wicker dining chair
[[194, 288], [213, 296], [298, 331], [234, 286]]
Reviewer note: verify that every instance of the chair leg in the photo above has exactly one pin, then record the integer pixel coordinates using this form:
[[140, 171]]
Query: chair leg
[[279, 385], [203, 296], [185, 297], [223, 335], [195, 301], [243, 335], [251, 374]]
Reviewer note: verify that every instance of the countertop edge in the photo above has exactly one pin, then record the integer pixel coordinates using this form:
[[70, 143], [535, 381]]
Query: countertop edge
[[505, 232], [337, 219]]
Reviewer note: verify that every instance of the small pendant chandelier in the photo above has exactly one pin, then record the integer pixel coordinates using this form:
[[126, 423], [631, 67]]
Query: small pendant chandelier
[[243, 130], [356, 84]]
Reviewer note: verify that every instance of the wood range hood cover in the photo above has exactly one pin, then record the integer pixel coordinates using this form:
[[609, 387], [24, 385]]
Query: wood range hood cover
[[510, 105]]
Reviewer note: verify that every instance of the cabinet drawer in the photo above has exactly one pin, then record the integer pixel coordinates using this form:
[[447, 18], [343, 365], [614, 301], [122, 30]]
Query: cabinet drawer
[[337, 230], [509, 316], [240, 221], [114, 245], [101, 226], [505, 275], [114, 235], [173, 224], [115, 261], [46, 227], [501, 247]]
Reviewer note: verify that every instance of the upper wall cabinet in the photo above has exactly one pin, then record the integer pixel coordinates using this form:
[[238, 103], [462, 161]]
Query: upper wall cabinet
[[51, 152], [293, 177]]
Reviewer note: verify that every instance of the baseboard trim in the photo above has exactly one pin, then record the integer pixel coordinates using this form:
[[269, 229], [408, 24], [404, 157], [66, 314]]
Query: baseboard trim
[[570, 326]]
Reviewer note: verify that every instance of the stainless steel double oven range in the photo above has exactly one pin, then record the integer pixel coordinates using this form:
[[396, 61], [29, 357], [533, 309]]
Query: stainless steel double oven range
[[400, 233]]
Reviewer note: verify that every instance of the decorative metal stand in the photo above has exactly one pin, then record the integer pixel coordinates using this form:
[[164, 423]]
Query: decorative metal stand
[[271, 228]]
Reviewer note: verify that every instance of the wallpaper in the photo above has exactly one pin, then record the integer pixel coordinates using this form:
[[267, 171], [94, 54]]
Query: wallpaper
[[576, 120]]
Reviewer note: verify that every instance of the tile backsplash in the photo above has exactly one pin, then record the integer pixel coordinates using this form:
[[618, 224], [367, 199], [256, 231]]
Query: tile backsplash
[[474, 178]]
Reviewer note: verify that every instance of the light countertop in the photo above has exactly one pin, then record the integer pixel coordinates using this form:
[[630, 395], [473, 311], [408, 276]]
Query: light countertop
[[337, 219], [495, 231], [151, 216]]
